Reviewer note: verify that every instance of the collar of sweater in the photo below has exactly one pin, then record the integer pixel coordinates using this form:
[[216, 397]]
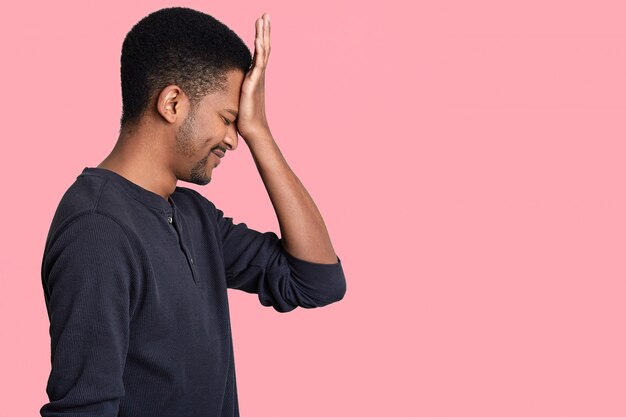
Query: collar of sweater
[[139, 193]]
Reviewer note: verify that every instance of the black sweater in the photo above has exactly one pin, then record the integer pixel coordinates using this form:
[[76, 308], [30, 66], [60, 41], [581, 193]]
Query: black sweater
[[135, 289]]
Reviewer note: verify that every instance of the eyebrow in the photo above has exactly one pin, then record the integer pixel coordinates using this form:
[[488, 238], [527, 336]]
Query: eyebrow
[[233, 112]]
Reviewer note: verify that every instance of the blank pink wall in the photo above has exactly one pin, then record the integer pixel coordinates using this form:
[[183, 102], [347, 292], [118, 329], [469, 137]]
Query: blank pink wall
[[467, 157]]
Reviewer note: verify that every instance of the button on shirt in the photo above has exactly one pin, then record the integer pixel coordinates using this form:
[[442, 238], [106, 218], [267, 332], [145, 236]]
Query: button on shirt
[[136, 292]]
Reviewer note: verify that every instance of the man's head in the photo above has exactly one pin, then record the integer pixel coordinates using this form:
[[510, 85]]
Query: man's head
[[181, 70]]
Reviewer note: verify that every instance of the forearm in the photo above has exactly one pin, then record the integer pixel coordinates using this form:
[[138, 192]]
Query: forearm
[[302, 227]]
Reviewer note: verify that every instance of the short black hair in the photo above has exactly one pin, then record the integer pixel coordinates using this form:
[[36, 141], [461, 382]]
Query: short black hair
[[177, 45]]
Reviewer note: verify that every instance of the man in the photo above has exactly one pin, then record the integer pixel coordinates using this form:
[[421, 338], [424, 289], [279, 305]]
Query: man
[[136, 269]]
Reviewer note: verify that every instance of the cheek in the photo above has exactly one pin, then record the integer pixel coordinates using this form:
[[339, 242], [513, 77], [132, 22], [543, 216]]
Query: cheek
[[207, 136]]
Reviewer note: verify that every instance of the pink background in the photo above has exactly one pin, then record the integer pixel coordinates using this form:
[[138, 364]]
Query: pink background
[[467, 157]]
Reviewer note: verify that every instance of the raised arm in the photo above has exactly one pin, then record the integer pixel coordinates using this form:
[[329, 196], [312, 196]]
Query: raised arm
[[303, 231]]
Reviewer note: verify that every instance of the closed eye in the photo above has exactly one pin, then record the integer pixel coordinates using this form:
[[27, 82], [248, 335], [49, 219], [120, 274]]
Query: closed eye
[[228, 122]]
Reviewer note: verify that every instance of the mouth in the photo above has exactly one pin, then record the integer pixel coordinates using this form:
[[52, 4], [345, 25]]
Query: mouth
[[219, 153]]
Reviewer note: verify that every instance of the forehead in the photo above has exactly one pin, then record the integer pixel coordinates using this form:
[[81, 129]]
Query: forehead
[[228, 98]]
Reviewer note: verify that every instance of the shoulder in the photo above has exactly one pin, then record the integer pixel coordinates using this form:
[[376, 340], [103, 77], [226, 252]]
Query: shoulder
[[91, 213], [80, 198], [90, 240], [91, 227]]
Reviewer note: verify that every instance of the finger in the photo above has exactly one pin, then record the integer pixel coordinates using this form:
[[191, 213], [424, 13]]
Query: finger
[[266, 34], [258, 47], [259, 31], [261, 44]]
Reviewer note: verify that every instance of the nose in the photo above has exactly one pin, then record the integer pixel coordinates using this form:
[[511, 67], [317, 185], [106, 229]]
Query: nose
[[231, 140]]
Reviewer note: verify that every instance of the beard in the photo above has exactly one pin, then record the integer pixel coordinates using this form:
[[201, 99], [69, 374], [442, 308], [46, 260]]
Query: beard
[[185, 147], [198, 174]]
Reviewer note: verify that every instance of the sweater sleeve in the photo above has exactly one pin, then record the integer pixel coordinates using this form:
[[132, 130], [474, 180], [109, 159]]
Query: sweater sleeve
[[86, 272], [257, 262]]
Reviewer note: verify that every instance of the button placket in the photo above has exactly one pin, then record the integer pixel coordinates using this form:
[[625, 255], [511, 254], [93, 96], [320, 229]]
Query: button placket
[[178, 227]]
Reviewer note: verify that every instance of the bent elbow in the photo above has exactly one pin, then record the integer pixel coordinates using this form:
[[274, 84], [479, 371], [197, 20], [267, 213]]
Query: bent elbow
[[337, 292], [327, 291], [312, 284]]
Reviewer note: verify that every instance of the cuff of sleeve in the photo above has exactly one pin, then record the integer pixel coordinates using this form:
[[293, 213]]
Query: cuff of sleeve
[[308, 264], [326, 281]]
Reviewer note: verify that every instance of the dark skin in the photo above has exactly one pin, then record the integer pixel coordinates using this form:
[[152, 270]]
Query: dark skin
[[170, 144]]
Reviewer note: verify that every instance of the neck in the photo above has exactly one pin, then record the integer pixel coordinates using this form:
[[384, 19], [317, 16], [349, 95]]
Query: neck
[[138, 156]]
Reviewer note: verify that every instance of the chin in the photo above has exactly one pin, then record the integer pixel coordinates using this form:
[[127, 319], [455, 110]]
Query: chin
[[200, 176], [201, 180], [204, 181]]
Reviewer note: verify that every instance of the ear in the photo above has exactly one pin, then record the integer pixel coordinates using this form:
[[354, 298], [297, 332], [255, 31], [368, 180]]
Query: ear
[[172, 103]]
